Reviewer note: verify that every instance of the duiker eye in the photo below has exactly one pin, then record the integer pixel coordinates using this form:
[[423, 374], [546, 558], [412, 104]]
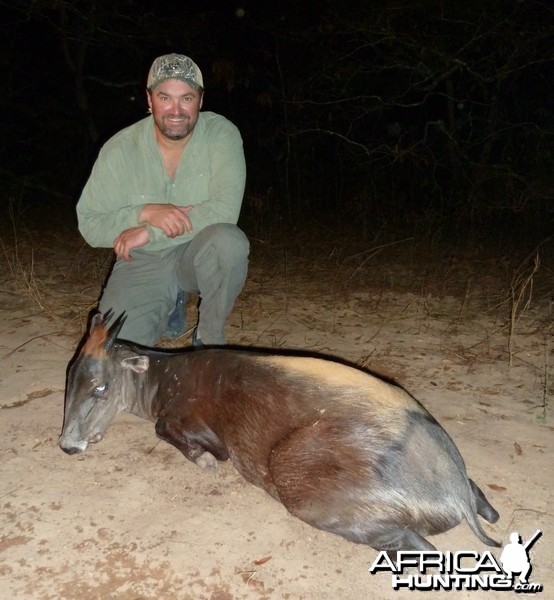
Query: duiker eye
[[100, 390]]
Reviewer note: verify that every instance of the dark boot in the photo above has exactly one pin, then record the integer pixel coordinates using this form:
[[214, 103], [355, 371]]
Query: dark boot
[[177, 324]]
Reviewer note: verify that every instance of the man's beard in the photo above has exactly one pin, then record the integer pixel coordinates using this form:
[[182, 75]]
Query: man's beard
[[176, 131]]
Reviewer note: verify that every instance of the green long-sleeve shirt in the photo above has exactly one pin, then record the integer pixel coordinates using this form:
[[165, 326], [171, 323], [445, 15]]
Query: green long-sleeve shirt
[[130, 173]]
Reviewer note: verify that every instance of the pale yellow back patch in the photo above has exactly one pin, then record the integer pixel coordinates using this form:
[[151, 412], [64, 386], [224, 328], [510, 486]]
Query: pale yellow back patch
[[338, 375]]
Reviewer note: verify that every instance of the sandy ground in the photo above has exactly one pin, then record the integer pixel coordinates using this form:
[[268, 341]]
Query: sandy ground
[[131, 519]]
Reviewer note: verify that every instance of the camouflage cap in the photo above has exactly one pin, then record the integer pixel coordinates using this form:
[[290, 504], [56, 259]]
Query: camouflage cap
[[174, 66]]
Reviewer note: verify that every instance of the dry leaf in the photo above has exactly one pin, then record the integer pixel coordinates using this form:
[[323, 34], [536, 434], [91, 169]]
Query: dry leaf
[[496, 488]]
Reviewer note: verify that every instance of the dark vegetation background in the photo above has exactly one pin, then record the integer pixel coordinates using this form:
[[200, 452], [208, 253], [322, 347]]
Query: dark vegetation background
[[385, 119]]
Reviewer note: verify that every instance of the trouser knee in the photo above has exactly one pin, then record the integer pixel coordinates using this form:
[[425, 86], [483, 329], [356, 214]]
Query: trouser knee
[[229, 241], [216, 252]]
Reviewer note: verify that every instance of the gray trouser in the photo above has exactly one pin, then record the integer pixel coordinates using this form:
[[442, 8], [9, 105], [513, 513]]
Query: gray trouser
[[213, 265]]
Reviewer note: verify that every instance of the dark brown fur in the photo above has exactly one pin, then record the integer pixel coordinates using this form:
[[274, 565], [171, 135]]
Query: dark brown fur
[[315, 438]]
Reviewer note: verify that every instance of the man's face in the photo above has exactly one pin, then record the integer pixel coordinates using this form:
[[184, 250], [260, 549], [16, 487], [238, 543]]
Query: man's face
[[175, 107]]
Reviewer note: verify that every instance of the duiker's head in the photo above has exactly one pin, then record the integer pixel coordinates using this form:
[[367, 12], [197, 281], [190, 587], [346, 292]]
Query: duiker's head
[[93, 395]]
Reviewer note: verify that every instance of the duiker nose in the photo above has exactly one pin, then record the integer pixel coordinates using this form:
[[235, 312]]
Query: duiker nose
[[71, 450]]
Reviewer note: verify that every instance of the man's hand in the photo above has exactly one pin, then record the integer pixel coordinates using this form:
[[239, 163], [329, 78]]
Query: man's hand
[[172, 220], [128, 240]]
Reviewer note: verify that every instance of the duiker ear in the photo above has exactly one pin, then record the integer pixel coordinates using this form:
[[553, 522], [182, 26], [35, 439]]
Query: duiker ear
[[138, 364]]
